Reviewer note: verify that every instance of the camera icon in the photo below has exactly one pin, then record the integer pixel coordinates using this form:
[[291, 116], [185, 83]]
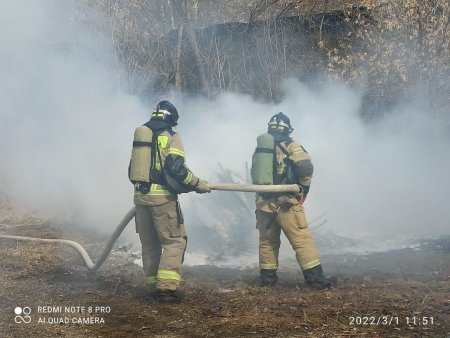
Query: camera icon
[[22, 315]]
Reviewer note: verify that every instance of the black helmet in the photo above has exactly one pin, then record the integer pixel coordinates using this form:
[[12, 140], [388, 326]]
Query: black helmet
[[165, 114], [280, 123]]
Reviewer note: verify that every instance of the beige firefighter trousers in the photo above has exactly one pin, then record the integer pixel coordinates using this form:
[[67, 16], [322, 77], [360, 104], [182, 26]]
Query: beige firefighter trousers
[[163, 238], [294, 225]]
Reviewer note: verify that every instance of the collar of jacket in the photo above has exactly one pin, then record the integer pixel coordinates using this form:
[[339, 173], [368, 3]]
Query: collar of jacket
[[280, 137], [158, 126]]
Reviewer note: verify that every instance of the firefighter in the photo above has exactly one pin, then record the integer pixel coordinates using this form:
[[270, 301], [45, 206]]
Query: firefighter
[[159, 173], [278, 159]]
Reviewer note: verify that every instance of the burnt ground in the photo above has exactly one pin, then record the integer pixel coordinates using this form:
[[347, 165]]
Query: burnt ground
[[378, 290]]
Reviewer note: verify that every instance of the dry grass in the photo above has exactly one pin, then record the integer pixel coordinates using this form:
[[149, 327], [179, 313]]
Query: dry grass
[[11, 214], [223, 302]]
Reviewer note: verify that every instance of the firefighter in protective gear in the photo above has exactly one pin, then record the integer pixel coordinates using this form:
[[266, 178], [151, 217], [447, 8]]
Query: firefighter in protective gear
[[159, 220], [291, 164]]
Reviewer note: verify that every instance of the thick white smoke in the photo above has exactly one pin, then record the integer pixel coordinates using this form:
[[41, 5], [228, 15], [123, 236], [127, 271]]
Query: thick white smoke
[[388, 178], [65, 122], [66, 127]]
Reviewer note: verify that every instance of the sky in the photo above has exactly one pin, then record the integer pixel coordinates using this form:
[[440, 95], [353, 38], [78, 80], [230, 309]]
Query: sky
[[67, 121]]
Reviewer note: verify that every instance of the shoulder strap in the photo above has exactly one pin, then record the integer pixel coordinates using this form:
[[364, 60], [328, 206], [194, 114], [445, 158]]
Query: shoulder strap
[[155, 151], [156, 174], [278, 179], [283, 149]]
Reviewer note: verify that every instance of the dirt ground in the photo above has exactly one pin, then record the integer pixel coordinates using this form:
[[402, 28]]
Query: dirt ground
[[376, 295]]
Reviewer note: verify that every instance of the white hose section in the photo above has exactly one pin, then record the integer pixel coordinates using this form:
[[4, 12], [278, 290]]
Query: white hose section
[[293, 188], [87, 260]]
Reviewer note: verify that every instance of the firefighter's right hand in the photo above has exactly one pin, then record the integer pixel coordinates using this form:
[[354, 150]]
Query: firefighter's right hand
[[202, 187], [285, 202]]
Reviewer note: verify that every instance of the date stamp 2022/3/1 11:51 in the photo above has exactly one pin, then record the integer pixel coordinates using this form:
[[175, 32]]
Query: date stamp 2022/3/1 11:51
[[387, 320]]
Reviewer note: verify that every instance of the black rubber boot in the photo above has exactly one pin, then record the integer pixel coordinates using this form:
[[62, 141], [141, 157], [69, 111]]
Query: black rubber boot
[[315, 279], [268, 277], [168, 296]]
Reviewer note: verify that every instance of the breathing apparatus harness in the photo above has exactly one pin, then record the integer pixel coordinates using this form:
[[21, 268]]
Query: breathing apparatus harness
[[146, 150], [146, 162], [265, 161], [288, 176]]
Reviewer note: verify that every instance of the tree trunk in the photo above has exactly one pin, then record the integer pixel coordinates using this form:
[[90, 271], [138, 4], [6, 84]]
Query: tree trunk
[[178, 58], [198, 58]]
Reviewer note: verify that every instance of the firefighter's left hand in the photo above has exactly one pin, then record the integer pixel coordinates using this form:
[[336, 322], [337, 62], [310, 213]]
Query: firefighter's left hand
[[202, 187]]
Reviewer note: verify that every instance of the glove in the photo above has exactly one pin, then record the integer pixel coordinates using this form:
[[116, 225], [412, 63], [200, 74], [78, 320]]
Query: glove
[[285, 202], [301, 199], [202, 187]]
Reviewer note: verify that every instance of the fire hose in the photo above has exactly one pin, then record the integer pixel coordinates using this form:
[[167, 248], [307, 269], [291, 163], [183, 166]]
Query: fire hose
[[291, 188]]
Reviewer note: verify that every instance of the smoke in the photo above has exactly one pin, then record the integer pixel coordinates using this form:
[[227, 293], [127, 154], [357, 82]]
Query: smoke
[[384, 179], [66, 126], [65, 120], [380, 182]]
